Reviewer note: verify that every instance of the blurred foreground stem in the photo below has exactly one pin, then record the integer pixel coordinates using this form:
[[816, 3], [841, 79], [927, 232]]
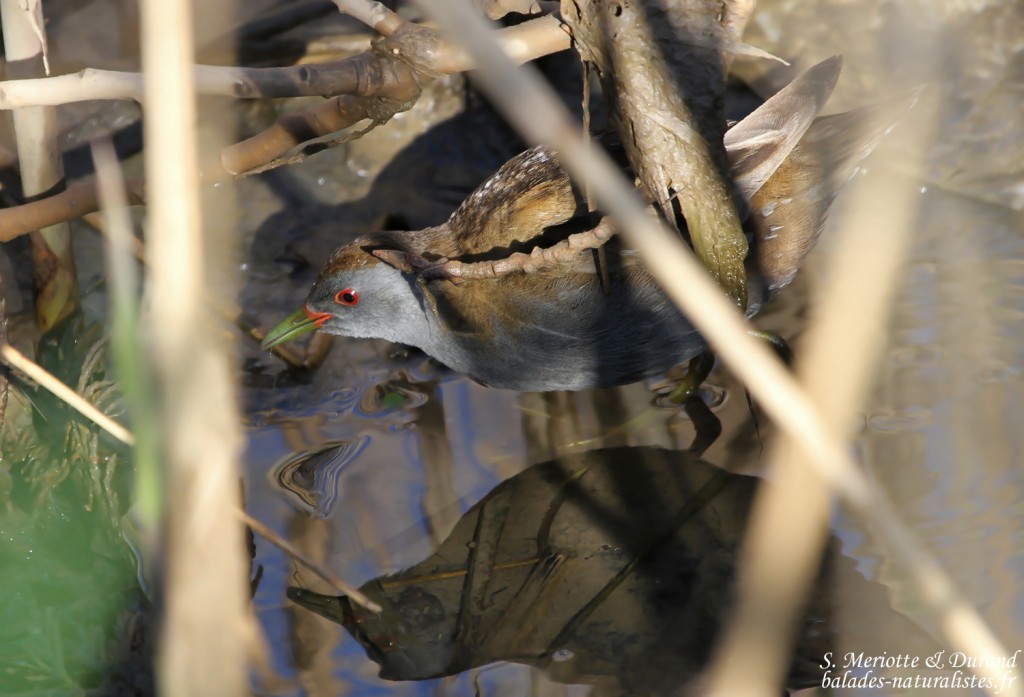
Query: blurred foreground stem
[[133, 371], [206, 632]]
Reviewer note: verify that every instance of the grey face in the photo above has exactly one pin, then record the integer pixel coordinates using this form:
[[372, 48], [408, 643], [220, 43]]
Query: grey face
[[375, 302]]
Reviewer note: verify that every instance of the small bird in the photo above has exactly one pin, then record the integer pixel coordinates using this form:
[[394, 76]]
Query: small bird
[[561, 326]]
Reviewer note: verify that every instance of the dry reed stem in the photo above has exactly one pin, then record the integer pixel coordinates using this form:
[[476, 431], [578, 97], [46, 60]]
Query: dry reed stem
[[789, 523], [353, 593], [16, 359], [788, 526], [207, 632], [535, 111]]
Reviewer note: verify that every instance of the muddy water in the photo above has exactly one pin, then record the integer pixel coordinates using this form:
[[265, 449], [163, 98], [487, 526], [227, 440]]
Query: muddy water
[[368, 464]]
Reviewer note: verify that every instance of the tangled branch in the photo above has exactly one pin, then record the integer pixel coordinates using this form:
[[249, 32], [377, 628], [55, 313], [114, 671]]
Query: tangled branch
[[374, 84]]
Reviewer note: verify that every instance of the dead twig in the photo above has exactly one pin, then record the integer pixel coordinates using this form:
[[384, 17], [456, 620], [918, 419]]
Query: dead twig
[[16, 359], [76, 201], [273, 538], [295, 137], [663, 66], [207, 633]]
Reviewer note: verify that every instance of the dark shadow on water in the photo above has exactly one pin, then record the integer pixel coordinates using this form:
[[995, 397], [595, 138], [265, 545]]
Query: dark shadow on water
[[615, 567]]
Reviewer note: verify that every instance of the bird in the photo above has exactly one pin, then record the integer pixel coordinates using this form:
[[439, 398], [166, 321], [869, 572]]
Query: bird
[[565, 325]]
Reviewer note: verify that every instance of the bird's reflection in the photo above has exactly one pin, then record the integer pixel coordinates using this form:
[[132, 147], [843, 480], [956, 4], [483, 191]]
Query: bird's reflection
[[614, 567]]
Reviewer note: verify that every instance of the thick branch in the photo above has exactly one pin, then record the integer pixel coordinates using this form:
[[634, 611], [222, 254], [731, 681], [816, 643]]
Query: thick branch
[[413, 62], [663, 69], [291, 130], [74, 202]]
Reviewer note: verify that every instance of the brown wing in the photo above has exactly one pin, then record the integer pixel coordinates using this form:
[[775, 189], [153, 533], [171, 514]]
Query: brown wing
[[789, 211], [530, 193]]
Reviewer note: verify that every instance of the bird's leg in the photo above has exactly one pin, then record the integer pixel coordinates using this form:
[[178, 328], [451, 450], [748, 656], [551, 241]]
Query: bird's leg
[[696, 373], [707, 427], [783, 351], [700, 366]]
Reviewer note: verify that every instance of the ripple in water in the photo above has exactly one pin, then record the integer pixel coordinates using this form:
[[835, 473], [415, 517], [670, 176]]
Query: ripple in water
[[712, 395], [391, 397], [310, 479]]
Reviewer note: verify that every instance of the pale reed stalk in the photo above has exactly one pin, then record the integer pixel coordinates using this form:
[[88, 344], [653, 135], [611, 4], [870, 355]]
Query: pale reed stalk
[[206, 633]]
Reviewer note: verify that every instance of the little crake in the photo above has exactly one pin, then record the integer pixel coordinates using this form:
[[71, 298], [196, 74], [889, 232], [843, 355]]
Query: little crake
[[560, 327]]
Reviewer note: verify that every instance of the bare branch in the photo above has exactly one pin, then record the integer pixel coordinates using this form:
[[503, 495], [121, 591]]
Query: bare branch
[[372, 14], [74, 202]]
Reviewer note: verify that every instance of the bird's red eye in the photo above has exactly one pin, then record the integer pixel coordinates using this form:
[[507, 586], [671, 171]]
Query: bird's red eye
[[346, 297]]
